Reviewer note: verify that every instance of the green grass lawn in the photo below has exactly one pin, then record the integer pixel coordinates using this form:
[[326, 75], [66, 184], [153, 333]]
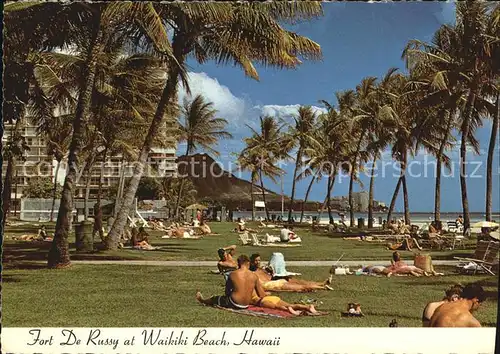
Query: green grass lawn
[[316, 246], [151, 296]]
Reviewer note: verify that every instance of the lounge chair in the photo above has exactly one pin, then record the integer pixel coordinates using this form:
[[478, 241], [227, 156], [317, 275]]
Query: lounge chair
[[484, 258], [245, 240]]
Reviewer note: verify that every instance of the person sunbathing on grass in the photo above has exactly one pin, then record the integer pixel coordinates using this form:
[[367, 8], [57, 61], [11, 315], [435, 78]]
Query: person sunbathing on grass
[[274, 302], [226, 261], [240, 287], [287, 284], [452, 294], [398, 266], [459, 313]]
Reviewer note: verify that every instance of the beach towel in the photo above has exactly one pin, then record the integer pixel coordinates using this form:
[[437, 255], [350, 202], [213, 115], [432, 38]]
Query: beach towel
[[142, 249], [268, 313]]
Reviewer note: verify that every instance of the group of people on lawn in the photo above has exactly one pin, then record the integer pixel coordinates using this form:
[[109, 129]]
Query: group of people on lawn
[[244, 287], [248, 284]]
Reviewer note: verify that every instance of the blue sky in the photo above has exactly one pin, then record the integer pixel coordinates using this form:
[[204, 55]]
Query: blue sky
[[357, 40]]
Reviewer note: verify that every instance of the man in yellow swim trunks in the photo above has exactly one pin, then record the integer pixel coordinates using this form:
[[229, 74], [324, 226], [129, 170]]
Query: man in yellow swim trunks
[[289, 284], [274, 302]]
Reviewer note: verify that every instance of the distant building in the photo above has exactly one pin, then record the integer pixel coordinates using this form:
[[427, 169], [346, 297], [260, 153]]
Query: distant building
[[361, 201], [161, 162]]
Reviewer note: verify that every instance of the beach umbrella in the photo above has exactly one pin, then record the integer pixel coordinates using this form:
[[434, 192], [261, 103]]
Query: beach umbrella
[[196, 206], [495, 235], [484, 224]]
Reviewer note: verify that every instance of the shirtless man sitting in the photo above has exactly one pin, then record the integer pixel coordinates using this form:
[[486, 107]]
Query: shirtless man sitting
[[241, 226], [398, 266], [240, 287], [459, 313], [290, 284], [226, 261], [452, 294]]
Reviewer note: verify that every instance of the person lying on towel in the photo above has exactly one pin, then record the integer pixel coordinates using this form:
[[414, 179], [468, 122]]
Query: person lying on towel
[[287, 235], [226, 262], [240, 286], [398, 266], [286, 284]]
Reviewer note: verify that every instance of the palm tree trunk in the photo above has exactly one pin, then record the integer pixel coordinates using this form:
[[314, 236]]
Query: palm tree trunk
[[463, 152], [97, 207], [439, 159], [489, 163], [121, 183], [59, 252], [306, 197], [87, 193], [329, 199], [393, 200], [7, 186], [295, 170], [351, 179], [252, 198], [54, 192], [263, 194], [437, 192], [405, 190], [168, 103], [181, 186], [370, 195]]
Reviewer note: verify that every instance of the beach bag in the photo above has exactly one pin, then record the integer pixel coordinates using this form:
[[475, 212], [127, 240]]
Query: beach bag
[[424, 262]]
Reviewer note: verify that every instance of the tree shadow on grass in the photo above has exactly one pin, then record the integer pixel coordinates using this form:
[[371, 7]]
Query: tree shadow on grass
[[24, 265], [26, 251]]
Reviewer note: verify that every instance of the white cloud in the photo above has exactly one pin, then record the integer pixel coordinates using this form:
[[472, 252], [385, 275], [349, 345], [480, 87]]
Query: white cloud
[[229, 106], [285, 111], [237, 110]]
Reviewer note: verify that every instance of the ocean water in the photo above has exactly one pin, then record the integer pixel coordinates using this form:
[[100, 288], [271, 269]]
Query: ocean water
[[416, 218]]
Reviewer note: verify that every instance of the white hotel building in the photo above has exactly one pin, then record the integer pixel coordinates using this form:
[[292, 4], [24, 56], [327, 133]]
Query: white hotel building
[[37, 163]]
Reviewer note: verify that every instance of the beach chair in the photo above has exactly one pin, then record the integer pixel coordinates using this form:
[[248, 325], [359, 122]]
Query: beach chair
[[245, 240], [255, 240], [452, 226], [484, 258]]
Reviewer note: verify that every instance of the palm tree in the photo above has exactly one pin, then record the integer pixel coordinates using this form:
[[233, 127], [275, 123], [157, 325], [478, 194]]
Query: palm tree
[[200, 129], [250, 162], [226, 32], [57, 135], [461, 56], [364, 121], [100, 22], [266, 147], [493, 59], [300, 132], [330, 148], [491, 152]]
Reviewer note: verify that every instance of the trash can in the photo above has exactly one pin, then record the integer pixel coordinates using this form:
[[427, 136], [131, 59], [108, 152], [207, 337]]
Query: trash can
[[361, 223], [83, 236], [380, 220]]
